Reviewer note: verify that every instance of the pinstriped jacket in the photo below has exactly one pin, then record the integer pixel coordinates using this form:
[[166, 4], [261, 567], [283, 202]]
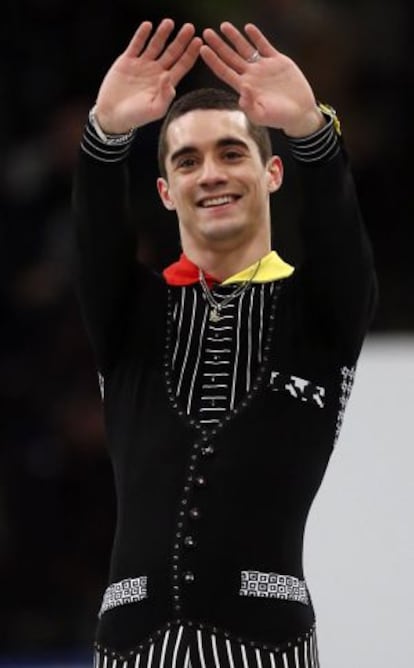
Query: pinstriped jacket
[[238, 492]]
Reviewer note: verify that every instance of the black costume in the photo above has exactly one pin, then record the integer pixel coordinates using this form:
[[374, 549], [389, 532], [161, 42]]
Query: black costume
[[215, 476]]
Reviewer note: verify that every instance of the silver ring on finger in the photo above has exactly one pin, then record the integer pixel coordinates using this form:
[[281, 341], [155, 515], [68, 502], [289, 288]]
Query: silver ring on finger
[[254, 57]]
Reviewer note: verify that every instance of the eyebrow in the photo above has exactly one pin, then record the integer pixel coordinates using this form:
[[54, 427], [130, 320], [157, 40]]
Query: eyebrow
[[222, 143]]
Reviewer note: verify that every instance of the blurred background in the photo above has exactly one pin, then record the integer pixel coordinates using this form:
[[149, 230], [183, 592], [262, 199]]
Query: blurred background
[[55, 523]]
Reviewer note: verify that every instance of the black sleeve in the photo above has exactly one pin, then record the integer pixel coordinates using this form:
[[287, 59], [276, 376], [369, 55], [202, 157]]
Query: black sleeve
[[107, 274], [337, 275]]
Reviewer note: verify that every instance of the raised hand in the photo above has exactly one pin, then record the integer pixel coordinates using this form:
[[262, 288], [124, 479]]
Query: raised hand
[[140, 85], [273, 90]]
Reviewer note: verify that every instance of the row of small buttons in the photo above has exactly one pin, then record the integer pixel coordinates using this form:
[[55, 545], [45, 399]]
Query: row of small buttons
[[204, 449], [194, 514]]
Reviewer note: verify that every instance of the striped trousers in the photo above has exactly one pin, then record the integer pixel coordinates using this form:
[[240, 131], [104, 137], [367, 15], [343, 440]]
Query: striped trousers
[[184, 647]]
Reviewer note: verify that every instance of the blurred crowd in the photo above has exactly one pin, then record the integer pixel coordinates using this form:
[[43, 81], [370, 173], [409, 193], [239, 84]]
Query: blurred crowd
[[57, 507]]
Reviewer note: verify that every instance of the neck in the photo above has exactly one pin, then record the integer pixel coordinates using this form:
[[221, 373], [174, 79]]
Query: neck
[[224, 263]]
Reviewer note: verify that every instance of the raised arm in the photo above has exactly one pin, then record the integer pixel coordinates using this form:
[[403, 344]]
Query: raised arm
[[338, 276], [137, 90]]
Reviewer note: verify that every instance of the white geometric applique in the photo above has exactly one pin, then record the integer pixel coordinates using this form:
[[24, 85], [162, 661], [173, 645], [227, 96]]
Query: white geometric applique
[[126, 591], [273, 585], [298, 388], [348, 375], [101, 382]]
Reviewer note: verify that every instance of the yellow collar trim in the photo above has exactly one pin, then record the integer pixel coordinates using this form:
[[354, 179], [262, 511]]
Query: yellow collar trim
[[272, 268]]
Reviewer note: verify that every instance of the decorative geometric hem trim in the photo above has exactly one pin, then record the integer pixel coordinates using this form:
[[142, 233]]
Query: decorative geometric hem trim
[[348, 376], [130, 590], [273, 585]]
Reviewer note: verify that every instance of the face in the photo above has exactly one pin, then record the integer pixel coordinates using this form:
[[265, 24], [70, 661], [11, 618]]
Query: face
[[216, 180]]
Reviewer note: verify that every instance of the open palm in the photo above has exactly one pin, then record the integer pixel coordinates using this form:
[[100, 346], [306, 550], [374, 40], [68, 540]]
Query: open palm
[[140, 85], [273, 90]]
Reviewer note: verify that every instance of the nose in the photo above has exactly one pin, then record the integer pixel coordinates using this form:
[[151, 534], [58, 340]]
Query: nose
[[212, 173]]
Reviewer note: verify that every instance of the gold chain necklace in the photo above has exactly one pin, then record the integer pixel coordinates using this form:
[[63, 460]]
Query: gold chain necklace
[[215, 312]]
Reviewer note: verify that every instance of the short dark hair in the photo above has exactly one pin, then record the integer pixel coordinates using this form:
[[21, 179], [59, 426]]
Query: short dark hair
[[210, 98]]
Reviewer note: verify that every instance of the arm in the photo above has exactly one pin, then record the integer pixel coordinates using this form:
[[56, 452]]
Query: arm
[[137, 90], [338, 276]]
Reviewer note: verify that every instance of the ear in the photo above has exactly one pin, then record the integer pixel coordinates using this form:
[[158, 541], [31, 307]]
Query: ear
[[164, 193], [274, 173]]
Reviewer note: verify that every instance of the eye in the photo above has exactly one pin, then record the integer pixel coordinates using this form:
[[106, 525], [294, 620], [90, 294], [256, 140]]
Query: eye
[[233, 155], [186, 163]]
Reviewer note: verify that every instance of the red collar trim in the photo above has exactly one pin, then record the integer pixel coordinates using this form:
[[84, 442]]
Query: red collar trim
[[185, 272]]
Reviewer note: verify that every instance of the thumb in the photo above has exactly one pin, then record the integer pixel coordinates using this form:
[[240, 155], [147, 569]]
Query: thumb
[[167, 90], [246, 99]]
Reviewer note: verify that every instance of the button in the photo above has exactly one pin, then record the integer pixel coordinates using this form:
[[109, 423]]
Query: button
[[189, 541], [200, 481], [188, 577], [195, 513], [207, 450]]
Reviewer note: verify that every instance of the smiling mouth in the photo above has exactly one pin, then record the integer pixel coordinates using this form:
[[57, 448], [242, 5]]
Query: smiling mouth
[[211, 202]]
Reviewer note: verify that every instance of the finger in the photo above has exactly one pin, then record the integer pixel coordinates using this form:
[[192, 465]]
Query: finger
[[186, 61], [219, 68], [177, 47], [225, 52], [139, 39], [262, 44], [158, 40], [239, 42]]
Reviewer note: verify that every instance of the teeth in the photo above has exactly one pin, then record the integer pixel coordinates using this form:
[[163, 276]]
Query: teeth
[[217, 201]]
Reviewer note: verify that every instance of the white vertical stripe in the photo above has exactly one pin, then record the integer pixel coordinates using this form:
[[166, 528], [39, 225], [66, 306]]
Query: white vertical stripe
[[259, 659], [312, 655], [96, 660], [249, 343], [315, 651], [260, 344], [196, 365], [305, 649], [105, 662], [200, 649], [285, 660], [125, 664], [215, 653], [164, 648], [150, 654], [177, 644], [297, 657], [187, 663], [272, 660], [114, 662], [137, 660], [180, 322], [229, 653], [236, 357], [244, 657], [189, 340]]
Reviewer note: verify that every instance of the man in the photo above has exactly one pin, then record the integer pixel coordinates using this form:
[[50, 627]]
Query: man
[[225, 380]]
